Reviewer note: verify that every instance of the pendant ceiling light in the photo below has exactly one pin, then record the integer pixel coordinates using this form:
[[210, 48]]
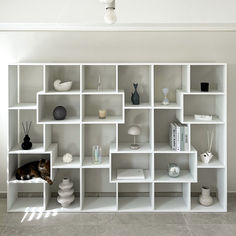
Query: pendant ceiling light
[[110, 15]]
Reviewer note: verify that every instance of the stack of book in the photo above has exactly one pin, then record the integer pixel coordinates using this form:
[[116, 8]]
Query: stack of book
[[178, 136]]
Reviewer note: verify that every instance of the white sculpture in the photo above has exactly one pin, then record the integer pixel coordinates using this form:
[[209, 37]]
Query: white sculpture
[[66, 193], [61, 87], [67, 158], [207, 156]]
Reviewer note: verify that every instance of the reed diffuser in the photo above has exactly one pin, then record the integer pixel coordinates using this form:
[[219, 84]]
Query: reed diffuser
[[26, 145]]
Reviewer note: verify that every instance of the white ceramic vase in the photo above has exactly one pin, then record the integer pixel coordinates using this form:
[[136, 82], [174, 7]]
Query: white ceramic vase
[[205, 198], [66, 193], [60, 87], [206, 157]]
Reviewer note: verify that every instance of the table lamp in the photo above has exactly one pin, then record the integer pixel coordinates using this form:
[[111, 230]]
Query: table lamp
[[134, 130]]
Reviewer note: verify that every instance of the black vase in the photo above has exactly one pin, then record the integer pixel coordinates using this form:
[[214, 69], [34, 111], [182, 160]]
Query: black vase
[[135, 96], [59, 113], [26, 145]]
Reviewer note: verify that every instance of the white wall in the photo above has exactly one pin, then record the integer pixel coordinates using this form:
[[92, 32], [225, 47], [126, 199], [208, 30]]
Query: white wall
[[119, 47], [128, 11]]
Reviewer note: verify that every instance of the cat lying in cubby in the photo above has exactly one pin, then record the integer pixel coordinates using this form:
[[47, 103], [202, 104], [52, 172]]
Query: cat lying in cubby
[[36, 169]]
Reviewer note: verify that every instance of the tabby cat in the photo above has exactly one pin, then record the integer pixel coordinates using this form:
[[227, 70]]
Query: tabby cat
[[36, 169]]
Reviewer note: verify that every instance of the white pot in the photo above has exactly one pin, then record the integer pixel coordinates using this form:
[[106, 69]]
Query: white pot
[[66, 86], [66, 193], [206, 157], [205, 198]]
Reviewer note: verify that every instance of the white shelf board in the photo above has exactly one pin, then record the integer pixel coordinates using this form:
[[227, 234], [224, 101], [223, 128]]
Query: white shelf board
[[147, 178], [191, 120], [140, 106], [125, 148], [170, 204], [24, 106], [13, 180], [87, 163], [135, 204], [27, 204], [165, 148], [54, 92], [108, 120], [214, 163], [99, 204], [161, 176], [215, 207], [99, 92], [54, 206], [68, 120], [159, 105], [60, 164], [36, 148], [198, 92]]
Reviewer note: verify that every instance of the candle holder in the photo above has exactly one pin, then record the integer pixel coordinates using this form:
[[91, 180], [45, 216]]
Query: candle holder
[[102, 114], [97, 154]]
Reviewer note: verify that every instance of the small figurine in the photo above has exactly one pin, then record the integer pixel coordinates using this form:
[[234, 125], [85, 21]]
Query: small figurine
[[135, 96], [26, 145]]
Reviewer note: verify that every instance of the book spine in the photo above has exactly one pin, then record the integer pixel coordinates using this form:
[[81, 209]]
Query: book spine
[[177, 137], [186, 146], [172, 136], [182, 140]]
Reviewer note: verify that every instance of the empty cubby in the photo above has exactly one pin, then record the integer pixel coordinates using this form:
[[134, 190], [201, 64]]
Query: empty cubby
[[52, 191], [47, 104], [135, 197], [98, 193], [172, 77], [212, 74], [140, 74], [21, 201], [107, 75], [215, 180], [193, 104], [186, 161], [132, 161], [64, 73], [137, 117], [172, 197]]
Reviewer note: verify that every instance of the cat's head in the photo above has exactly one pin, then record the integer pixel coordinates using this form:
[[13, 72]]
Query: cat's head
[[135, 85], [44, 164]]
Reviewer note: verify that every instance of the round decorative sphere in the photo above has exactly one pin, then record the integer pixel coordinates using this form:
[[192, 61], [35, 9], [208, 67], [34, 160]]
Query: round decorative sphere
[[59, 113], [173, 170]]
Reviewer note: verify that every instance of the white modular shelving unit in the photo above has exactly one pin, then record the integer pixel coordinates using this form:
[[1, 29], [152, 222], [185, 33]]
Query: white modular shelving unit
[[97, 189]]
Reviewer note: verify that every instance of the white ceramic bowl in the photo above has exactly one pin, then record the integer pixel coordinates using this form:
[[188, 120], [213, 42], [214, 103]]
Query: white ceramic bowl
[[62, 87]]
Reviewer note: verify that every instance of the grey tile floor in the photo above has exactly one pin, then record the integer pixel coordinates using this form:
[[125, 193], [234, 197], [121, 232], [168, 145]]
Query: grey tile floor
[[125, 224]]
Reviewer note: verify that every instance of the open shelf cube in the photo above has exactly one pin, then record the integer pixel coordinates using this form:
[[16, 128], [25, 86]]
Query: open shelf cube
[[215, 75], [112, 103], [140, 74], [141, 118], [51, 191], [212, 106], [172, 197], [199, 140], [173, 77], [47, 104], [132, 161], [64, 73], [19, 200], [215, 179], [186, 162], [99, 195], [97, 134], [91, 74], [135, 197]]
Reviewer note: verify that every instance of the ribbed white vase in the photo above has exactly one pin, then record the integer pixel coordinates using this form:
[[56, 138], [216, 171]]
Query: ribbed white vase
[[66, 193]]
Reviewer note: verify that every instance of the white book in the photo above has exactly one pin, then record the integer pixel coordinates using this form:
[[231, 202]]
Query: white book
[[130, 174], [177, 137], [186, 138]]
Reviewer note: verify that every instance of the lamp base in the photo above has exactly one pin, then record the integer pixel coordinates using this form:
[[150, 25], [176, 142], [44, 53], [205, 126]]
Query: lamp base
[[134, 146]]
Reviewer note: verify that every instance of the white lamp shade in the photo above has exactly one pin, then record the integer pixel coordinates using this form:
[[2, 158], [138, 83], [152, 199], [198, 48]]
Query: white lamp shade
[[134, 130]]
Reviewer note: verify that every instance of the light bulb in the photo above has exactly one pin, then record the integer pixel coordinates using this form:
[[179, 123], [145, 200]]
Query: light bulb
[[110, 16], [106, 1]]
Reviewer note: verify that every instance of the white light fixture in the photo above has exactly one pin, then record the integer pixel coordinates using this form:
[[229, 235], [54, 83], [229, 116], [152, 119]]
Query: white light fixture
[[110, 15], [134, 131]]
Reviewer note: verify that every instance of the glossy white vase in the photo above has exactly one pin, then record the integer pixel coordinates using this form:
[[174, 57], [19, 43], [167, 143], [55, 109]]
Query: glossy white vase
[[66, 193], [205, 198]]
